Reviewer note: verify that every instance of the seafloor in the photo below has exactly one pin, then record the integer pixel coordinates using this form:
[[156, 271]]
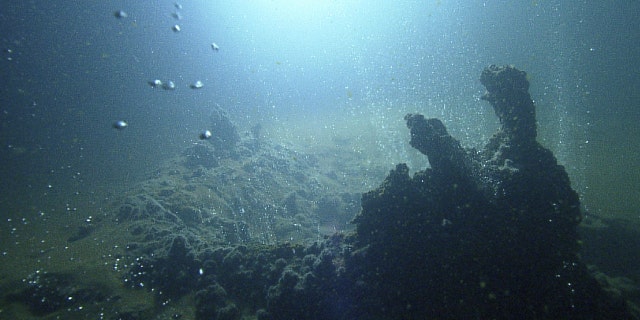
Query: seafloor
[[238, 227]]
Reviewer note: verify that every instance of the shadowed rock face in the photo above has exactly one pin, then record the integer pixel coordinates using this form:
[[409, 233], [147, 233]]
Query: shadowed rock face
[[483, 235], [508, 93], [430, 137]]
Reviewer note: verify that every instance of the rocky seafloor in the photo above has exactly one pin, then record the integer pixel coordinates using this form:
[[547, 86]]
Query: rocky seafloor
[[245, 229]]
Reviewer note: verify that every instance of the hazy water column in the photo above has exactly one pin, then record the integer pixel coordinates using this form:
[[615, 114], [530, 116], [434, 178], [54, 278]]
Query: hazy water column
[[570, 130]]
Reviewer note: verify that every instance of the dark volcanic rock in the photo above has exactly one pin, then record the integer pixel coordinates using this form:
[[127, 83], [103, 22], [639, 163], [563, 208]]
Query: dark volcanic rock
[[478, 235], [508, 93]]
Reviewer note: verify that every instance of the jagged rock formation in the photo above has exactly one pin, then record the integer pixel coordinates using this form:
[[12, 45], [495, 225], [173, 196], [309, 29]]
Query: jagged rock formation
[[478, 235]]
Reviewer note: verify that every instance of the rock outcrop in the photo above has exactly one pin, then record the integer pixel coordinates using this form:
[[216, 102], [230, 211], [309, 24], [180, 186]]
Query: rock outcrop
[[488, 234]]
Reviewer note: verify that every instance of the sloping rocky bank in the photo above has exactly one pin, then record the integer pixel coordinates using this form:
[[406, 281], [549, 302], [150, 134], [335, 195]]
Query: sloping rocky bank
[[248, 229]]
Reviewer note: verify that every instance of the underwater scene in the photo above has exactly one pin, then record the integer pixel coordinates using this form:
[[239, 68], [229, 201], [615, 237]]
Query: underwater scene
[[301, 159]]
